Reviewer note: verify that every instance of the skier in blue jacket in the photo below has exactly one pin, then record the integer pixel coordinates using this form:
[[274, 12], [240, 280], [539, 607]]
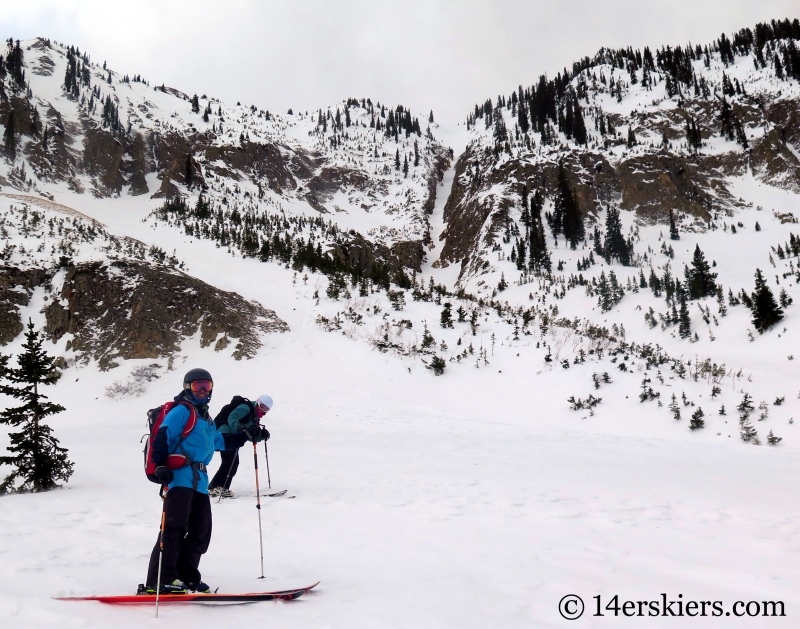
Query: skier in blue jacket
[[187, 508]]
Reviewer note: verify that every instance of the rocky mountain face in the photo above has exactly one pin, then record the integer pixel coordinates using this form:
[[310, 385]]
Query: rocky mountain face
[[111, 297], [660, 132]]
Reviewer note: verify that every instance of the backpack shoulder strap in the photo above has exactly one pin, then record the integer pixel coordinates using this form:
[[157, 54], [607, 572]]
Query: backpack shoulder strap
[[191, 422], [251, 406]]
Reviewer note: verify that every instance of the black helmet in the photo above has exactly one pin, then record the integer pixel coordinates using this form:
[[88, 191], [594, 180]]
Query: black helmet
[[196, 374]]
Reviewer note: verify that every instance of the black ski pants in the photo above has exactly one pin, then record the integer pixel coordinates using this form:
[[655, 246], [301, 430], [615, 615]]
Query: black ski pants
[[187, 533], [227, 469]]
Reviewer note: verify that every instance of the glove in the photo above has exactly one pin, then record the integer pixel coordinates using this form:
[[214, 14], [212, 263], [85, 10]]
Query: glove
[[164, 475], [252, 432], [256, 433]]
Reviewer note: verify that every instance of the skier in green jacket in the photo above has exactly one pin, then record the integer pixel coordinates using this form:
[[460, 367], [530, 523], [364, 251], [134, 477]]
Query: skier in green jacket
[[241, 416]]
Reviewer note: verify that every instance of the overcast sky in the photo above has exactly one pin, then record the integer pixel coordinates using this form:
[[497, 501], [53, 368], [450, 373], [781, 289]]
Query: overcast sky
[[441, 55]]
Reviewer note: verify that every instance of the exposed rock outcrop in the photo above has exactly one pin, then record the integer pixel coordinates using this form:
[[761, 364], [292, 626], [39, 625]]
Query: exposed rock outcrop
[[127, 310], [16, 288]]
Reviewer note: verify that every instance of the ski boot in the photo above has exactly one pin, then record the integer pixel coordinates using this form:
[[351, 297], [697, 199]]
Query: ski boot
[[199, 587], [214, 492], [227, 493], [176, 587]]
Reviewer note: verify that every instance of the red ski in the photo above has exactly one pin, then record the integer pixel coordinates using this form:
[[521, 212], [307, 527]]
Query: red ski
[[168, 599]]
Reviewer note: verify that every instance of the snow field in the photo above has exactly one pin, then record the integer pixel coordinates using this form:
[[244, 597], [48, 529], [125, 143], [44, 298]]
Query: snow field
[[471, 500]]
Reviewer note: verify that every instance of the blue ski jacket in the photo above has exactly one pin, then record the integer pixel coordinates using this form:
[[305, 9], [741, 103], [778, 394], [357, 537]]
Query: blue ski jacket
[[199, 444]]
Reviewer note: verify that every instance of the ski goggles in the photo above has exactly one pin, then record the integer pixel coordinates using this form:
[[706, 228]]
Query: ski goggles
[[198, 386], [262, 407]]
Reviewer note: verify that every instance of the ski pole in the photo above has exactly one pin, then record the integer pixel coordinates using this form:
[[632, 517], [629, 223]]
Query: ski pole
[[228, 477], [161, 543], [258, 506], [266, 456]]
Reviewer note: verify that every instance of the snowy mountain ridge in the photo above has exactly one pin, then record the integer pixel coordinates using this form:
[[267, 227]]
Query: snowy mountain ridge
[[650, 134], [365, 167]]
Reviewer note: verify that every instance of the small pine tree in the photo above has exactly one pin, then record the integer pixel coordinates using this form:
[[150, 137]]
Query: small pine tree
[[437, 365], [748, 433], [38, 460], [684, 321], [697, 420], [673, 228], [502, 284], [766, 311], [427, 338], [745, 407], [773, 440], [446, 318], [195, 104], [675, 408]]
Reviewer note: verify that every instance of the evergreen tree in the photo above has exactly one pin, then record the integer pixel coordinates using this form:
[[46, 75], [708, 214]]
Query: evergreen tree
[[766, 311], [437, 365], [579, 125], [500, 131], [697, 420], [616, 247], [37, 458], [631, 137], [747, 433], [189, 171], [693, 138], [522, 114], [14, 62], [674, 408], [502, 284], [684, 320], [539, 257], [773, 440], [9, 140], [726, 120], [427, 337], [700, 281], [567, 210], [673, 228], [598, 242], [655, 283], [195, 104], [405, 166], [446, 318]]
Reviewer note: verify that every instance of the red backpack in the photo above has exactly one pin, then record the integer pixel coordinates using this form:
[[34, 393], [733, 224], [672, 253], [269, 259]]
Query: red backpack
[[155, 417]]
